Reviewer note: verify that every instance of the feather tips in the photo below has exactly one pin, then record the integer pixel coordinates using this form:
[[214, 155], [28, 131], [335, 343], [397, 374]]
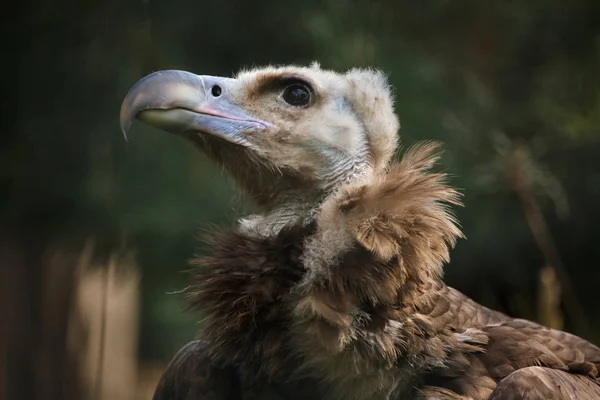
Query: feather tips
[[385, 241]]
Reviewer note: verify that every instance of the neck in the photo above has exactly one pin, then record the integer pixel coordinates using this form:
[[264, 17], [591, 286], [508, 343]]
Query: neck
[[293, 212], [299, 208]]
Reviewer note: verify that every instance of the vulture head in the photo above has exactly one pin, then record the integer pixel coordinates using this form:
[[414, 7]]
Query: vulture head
[[288, 136]]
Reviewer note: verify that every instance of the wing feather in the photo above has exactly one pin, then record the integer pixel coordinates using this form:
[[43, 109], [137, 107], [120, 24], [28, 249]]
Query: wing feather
[[191, 376], [540, 383]]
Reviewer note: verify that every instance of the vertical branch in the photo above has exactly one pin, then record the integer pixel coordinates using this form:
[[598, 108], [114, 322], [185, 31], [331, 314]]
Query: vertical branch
[[549, 294], [541, 234], [101, 343]]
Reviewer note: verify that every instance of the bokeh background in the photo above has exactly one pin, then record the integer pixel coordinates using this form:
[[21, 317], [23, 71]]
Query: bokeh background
[[95, 232]]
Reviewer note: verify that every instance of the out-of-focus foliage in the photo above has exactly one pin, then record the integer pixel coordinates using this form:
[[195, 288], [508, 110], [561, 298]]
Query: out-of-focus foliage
[[479, 76]]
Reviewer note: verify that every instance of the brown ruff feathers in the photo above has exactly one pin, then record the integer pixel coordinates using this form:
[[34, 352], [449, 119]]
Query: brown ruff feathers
[[356, 300]]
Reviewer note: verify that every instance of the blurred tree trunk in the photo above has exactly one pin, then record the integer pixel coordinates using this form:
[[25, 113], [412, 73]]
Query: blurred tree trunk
[[69, 326], [107, 294], [36, 316]]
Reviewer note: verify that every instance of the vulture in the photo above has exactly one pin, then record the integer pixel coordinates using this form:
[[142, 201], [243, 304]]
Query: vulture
[[332, 289]]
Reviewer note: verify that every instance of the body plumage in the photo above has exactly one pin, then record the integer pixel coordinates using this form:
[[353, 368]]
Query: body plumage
[[334, 289]]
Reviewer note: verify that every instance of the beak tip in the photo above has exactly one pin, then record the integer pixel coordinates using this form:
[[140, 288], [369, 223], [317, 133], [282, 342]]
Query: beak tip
[[126, 117], [125, 128]]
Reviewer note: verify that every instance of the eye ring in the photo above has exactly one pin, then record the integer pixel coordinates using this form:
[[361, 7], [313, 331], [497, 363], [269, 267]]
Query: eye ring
[[297, 95]]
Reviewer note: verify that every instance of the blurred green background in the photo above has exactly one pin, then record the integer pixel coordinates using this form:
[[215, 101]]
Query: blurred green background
[[512, 89]]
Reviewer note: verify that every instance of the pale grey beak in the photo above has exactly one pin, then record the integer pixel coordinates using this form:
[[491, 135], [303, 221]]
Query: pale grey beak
[[184, 103]]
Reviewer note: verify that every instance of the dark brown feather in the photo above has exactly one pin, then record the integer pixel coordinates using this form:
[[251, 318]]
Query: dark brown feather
[[190, 376], [241, 291]]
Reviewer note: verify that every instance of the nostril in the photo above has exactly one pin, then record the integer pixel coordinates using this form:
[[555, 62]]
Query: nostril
[[216, 90]]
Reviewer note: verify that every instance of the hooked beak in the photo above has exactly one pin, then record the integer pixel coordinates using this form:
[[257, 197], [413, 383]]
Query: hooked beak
[[184, 103]]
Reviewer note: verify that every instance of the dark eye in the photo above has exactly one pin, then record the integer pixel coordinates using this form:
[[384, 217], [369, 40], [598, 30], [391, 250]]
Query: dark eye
[[296, 95]]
